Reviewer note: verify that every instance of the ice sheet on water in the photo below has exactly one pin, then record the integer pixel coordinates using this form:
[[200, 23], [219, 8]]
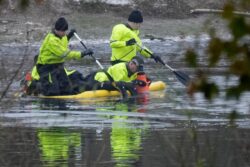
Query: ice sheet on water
[[113, 2]]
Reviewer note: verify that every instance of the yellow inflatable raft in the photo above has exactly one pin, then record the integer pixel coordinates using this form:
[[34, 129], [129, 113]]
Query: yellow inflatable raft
[[154, 86]]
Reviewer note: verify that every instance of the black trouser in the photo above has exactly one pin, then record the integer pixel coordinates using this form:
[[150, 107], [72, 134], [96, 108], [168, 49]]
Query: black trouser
[[60, 84], [91, 84]]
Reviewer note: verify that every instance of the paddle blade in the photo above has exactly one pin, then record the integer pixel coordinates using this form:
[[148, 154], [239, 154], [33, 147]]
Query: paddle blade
[[182, 77]]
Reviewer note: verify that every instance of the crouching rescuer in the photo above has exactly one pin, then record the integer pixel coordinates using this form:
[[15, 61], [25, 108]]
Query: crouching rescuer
[[50, 64]]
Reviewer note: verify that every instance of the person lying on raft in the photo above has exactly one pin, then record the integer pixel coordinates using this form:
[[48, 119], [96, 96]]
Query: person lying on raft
[[121, 76]]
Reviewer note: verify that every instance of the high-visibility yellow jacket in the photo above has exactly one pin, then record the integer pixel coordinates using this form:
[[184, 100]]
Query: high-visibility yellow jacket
[[118, 72], [120, 34], [55, 50]]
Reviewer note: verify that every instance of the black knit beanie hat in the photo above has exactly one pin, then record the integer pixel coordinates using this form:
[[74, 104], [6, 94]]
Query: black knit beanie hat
[[61, 24], [135, 16]]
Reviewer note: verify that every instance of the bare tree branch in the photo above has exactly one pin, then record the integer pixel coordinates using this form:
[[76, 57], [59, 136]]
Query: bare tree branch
[[6, 89], [218, 11]]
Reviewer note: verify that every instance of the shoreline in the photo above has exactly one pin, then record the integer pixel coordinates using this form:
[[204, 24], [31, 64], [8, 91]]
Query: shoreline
[[96, 20], [99, 26]]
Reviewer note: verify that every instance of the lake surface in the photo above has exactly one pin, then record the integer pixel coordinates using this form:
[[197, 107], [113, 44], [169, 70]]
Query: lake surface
[[167, 129]]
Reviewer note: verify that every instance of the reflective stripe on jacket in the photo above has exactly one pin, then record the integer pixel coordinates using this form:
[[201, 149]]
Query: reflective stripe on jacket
[[55, 50], [120, 34], [118, 72]]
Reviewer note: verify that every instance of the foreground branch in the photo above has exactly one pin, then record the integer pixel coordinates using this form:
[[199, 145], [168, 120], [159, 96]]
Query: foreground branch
[[10, 82], [194, 11]]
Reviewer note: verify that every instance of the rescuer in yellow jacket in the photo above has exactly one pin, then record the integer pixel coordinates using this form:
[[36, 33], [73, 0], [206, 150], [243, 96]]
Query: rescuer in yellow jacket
[[53, 53], [125, 41], [121, 76]]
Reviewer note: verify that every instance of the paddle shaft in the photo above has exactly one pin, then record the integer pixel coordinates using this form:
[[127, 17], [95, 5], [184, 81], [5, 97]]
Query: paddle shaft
[[124, 95], [151, 55], [99, 64]]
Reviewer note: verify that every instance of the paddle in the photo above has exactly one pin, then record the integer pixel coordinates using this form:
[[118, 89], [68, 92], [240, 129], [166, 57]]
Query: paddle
[[99, 64], [181, 76]]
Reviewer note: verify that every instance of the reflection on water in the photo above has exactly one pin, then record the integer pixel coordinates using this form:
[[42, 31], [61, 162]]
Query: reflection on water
[[124, 146], [125, 139], [59, 146]]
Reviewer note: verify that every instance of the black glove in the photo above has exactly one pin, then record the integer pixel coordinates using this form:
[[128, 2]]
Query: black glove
[[71, 33], [139, 82], [126, 86], [129, 86], [87, 52], [130, 42], [157, 59], [122, 89]]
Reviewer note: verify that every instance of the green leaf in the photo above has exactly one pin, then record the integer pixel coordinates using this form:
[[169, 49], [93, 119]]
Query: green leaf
[[233, 93], [239, 67], [243, 85], [228, 11], [230, 48], [214, 49], [191, 58], [238, 27], [245, 82], [24, 3], [210, 90]]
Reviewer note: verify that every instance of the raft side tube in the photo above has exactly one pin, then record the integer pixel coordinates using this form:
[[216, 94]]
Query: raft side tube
[[154, 86]]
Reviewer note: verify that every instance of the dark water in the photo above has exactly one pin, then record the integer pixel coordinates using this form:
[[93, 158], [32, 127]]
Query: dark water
[[167, 129]]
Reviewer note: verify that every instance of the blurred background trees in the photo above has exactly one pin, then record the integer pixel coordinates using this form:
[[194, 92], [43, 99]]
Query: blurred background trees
[[234, 50]]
